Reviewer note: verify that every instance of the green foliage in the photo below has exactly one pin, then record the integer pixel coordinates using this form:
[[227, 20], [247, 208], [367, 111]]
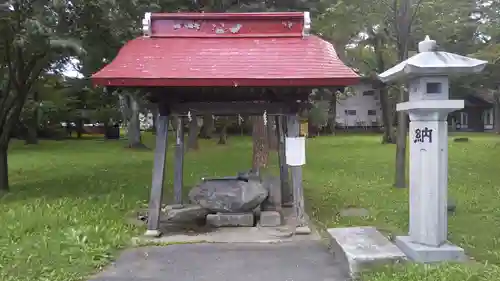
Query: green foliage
[[320, 100], [36, 36], [366, 35], [367, 28], [49, 101], [318, 114]]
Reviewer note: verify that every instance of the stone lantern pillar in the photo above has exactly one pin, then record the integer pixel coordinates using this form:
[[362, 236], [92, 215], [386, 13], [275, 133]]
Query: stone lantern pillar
[[428, 107]]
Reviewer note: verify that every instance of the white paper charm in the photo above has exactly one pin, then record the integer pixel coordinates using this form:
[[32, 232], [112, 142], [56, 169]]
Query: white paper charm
[[295, 151]]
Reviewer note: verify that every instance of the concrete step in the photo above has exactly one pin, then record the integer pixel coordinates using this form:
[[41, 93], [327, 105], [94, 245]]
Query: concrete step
[[357, 249]]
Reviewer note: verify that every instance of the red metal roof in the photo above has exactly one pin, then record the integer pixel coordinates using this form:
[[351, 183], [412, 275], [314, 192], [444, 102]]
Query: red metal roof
[[213, 49]]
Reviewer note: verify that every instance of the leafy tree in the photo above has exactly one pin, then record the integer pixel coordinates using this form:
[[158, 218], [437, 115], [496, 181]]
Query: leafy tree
[[35, 36], [488, 13], [374, 35], [359, 32], [46, 108]]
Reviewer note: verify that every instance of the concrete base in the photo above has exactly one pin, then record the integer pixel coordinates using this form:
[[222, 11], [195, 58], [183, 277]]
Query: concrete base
[[360, 248], [303, 230], [152, 233], [221, 219], [270, 219], [230, 235], [427, 254], [258, 234]]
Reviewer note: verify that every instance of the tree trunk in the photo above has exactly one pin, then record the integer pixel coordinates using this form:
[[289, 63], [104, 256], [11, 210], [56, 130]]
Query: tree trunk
[[223, 131], [496, 113], [31, 134], [403, 27], [272, 136], [388, 136], [154, 111], [453, 125], [208, 127], [332, 114], [402, 132], [69, 128], [4, 169], [386, 109], [260, 145], [312, 130], [193, 133], [79, 127], [9, 116], [134, 125], [32, 126]]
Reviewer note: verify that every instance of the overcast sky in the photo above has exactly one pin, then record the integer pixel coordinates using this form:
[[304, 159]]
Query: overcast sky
[[71, 69]]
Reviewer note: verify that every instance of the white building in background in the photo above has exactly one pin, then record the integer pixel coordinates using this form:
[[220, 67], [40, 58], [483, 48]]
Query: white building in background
[[478, 114], [146, 121], [361, 108]]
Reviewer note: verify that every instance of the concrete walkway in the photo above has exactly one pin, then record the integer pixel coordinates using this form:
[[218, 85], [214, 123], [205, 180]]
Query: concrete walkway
[[286, 261]]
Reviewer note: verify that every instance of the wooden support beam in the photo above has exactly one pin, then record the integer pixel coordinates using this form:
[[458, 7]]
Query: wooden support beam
[[158, 177], [179, 160], [286, 191], [293, 125], [234, 108]]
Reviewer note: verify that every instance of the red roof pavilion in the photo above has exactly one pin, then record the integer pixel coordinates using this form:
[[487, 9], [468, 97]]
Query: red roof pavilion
[[226, 64], [226, 49]]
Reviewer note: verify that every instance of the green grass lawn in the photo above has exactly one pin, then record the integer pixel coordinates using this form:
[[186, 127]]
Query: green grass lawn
[[66, 214], [357, 171]]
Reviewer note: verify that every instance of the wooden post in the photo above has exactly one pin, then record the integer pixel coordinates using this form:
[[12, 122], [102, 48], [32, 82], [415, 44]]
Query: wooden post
[[158, 176], [293, 125], [286, 192], [179, 160]]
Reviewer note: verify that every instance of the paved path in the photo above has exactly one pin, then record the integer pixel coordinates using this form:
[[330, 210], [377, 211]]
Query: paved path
[[289, 261]]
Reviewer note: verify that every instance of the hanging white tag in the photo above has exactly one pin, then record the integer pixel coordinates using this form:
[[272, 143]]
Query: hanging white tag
[[295, 151]]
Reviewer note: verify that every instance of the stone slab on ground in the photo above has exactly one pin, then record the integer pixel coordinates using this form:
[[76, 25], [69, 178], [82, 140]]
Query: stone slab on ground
[[360, 248], [184, 213], [303, 230], [303, 261], [426, 254], [223, 219], [270, 218]]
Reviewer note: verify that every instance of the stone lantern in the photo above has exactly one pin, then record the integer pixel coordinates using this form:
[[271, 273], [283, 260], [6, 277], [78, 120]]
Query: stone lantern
[[427, 75]]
